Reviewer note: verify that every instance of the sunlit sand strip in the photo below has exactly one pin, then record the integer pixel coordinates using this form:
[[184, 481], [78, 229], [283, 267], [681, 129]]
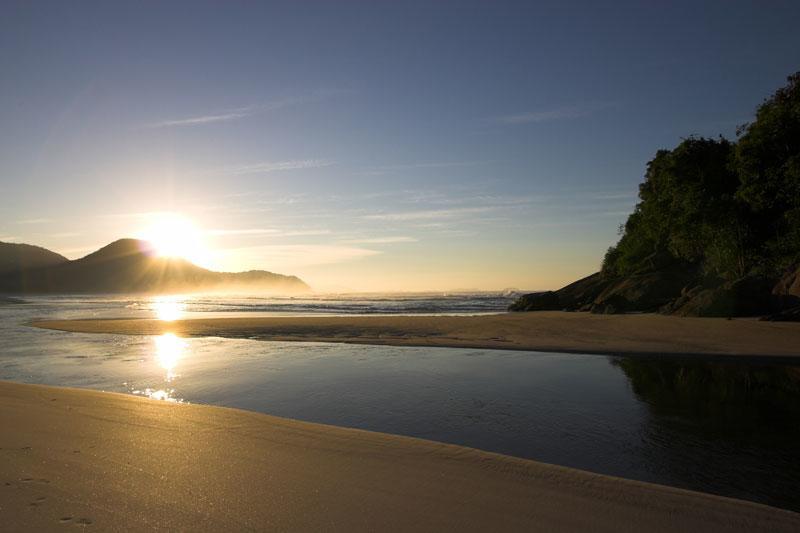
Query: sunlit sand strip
[[115, 462], [543, 331]]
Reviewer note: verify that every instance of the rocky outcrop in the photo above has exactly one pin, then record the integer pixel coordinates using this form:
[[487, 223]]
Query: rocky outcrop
[[786, 293], [537, 301], [580, 295], [743, 297], [677, 290], [789, 315], [646, 292], [785, 298]]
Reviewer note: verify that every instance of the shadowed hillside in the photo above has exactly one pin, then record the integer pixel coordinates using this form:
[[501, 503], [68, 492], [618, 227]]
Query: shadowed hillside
[[17, 257], [130, 266]]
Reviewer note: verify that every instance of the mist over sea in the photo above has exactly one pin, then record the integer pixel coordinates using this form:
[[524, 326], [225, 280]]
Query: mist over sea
[[210, 305]]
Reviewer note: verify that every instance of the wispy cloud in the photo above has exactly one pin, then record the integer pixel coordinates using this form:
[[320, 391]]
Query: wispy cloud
[[139, 214], [385, 169], [288, 256], [617, 196], [230, 114], [272, 232], [205, 119], [428, 214], [379, 240], [276, 166], [433, 164], [615, 213], [560, 113], [250, 231], [242, 112], [35, 221], [305, 232]]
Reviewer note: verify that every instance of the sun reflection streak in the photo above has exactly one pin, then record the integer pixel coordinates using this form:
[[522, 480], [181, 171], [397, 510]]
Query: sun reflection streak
[[168, 308], [169, 350]]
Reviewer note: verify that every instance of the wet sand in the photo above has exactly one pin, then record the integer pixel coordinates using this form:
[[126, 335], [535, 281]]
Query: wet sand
[[116, 462], [645, 334]]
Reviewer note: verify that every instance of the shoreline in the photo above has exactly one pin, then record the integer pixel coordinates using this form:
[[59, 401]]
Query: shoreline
[[113, 461], [642, 335]]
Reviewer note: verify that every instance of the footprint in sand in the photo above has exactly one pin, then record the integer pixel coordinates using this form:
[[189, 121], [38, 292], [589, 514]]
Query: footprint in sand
[[39, 501], [83, 522], [34, 480]]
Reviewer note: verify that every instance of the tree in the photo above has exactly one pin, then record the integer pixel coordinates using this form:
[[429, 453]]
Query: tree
[[767, 160], [687, 203]]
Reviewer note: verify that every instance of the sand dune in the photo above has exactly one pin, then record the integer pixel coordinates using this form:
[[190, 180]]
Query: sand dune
[[116, 462], [542, 331]]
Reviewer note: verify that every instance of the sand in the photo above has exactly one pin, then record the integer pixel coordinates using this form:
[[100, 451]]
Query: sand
[[645, 334], [114, 462]]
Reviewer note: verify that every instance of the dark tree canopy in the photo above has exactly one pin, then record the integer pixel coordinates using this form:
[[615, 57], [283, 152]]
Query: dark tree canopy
[[732, 209]]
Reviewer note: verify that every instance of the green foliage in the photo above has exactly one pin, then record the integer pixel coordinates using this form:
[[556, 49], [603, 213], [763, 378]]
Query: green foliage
[[732, 208], [767, 159]]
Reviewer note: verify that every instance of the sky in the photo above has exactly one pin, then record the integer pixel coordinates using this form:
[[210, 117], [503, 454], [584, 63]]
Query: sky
[[368, 146]]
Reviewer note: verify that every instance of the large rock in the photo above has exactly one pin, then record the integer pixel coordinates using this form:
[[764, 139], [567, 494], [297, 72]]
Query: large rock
[[537, 301], [748, 296], [676, 290], [580, 295], [788, 315], [786, 293], [577, 296], [646, 292]]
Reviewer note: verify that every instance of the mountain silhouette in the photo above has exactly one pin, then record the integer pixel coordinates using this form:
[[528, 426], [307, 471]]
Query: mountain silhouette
[[126, 266], [15, 257]]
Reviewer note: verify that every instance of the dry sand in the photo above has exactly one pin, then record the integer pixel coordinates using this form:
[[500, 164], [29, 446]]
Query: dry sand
[[114, 462], [542, 331]]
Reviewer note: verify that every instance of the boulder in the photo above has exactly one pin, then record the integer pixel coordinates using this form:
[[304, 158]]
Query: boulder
[[786, 293], [679, 289], [645, 292], [789, 315], [580, 295], [747, 296], [537, 301]]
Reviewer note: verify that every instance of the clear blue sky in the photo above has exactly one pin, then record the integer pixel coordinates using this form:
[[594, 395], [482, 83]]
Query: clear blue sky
[[368, 145]]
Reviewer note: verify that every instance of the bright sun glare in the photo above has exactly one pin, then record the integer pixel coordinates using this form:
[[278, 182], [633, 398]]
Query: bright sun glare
[[168, 308], [176, 236]]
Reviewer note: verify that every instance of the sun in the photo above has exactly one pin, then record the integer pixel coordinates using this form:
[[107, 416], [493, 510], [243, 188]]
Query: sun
[[176, 236]]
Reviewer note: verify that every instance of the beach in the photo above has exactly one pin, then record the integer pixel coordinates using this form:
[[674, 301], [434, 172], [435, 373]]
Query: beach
[[636, 334], [115, 462]]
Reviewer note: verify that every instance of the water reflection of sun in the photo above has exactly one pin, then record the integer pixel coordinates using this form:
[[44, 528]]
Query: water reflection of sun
[[168, 308], [169, 350]]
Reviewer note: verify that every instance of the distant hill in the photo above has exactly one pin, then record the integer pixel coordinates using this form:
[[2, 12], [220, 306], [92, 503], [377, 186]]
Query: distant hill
[[17, 257], [130, 266]]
